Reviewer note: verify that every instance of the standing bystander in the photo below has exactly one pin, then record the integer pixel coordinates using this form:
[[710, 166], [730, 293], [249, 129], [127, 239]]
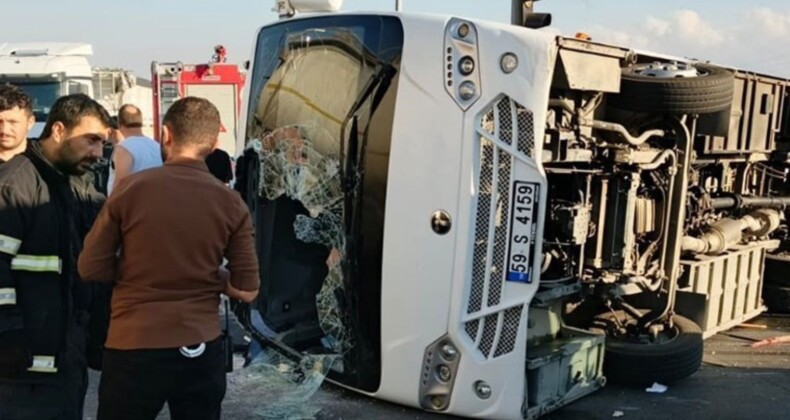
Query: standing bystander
[[47, 205], [176, 224], [16, 120], [134, 151]]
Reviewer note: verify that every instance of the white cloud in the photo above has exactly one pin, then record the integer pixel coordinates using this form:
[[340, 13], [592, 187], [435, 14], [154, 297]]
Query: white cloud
[[609, 35], [770, 23], [759, 41], [656, 26], [684, 28], [693, 28]]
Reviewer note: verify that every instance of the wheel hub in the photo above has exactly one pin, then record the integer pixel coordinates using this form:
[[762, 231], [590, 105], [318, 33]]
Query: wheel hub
[[627, 330], [666, 70]]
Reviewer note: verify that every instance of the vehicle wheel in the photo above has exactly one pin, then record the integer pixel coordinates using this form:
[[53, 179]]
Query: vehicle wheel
[[776, 298], [777, 270], [677, 354], [674, 88]]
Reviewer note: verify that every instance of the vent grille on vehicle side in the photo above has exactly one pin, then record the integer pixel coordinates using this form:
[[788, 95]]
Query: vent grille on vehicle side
[[503, 124], [526, 130], [480, 253], [509, 332]]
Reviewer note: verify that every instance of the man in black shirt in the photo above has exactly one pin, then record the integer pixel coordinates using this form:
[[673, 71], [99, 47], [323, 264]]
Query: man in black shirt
[[101, 170], [219, 165], [47, 206]]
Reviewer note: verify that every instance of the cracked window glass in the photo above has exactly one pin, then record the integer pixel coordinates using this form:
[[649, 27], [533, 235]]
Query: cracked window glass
[[319, 126], [287, 385], [295, 169]]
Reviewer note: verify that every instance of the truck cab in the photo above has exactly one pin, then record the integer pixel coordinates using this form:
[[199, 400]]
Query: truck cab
[[46, 71]]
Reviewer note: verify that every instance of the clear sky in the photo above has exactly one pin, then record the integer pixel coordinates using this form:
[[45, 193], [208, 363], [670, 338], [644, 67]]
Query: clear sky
[[751, 34]]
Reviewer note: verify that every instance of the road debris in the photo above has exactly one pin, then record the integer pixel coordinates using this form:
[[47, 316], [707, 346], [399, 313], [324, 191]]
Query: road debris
[[753, 326], [771, 341], [618, 413], [657, 388], [286, 385]]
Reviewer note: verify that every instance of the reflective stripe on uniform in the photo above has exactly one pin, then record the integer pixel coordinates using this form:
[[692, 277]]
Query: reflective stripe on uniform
[[7, 296], [36, 263], [43, 364], [9, 245]]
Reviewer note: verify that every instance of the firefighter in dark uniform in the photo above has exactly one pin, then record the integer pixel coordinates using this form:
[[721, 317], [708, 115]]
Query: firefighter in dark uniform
[[47, 205]]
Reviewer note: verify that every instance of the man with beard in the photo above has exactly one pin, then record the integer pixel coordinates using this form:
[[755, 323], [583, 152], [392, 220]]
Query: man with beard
[[47, 205], [16, 119]]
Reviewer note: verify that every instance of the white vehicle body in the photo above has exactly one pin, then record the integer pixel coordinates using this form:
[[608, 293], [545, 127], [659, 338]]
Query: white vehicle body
[[435, 166], [46, 71], [114, 87], [432, 132], [372, 138]]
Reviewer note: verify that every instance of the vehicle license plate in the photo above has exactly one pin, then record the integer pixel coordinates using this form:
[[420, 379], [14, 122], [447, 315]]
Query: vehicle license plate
[[523, 226]]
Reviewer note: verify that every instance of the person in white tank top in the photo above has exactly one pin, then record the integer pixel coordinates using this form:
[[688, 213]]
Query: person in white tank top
[[135, 152]]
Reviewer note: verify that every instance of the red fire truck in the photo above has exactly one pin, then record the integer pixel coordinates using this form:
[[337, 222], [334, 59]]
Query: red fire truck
[[219, 82]]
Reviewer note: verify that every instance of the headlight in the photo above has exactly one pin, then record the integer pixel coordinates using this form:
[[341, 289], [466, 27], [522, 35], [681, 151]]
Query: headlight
[[463, 30], [467, 90], [462, 78], [466, 65]]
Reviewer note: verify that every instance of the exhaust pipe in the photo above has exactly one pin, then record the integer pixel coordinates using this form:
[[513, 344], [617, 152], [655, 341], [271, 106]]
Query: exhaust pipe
[[727, 232]]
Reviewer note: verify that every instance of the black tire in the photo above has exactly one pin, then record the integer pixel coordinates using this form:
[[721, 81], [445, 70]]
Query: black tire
[[705, 94], [631, 363], [776, 298], [777, 270]]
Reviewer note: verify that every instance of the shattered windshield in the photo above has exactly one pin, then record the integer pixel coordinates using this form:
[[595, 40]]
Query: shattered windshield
[[322, 100]]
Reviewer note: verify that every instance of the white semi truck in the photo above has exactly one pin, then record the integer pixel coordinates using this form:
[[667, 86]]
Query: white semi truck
[[489, 220], [48, 70]]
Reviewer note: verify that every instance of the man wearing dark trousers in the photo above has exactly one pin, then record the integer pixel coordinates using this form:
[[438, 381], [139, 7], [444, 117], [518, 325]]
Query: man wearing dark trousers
[[47, 205], [173, 226]]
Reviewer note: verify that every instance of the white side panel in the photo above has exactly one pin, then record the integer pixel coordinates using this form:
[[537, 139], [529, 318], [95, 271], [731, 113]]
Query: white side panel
[[435, 150], [71, 66], [528, 87], [424, 167], [223, 96], [46, 48]]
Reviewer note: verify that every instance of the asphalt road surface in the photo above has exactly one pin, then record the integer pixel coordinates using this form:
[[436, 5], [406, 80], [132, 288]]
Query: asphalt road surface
[[736, 382]]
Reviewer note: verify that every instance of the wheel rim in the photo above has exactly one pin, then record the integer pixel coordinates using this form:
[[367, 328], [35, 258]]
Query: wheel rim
[[658, 70], [623, 331]]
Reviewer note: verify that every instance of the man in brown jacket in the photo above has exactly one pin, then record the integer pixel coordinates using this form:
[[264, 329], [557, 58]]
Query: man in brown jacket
[[173, 226]]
